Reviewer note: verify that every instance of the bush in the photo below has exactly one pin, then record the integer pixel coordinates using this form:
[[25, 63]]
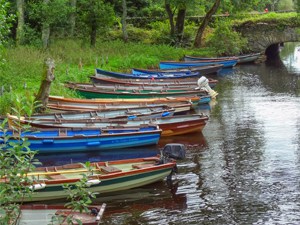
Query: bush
[[225, 41]]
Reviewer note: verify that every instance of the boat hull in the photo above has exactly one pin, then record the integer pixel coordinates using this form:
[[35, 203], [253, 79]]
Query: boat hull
[[58, 142], [181, 64], [146, 76], [106, 186], [102, 177]]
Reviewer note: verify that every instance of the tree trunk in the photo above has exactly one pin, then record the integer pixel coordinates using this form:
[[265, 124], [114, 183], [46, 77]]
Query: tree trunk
[[45, 31], [44, 91], [73, 17], [20, 27], [93, 34], [203, 25], [123, 21], [171, 18], [180, 23], [45, 35]]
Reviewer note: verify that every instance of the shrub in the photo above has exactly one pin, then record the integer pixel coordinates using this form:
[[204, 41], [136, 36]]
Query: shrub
[[225, 41]]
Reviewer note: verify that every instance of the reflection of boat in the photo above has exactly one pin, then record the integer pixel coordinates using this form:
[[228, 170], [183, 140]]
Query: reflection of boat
[[161, 195], [95, 156], [39, 214], [193, 139]]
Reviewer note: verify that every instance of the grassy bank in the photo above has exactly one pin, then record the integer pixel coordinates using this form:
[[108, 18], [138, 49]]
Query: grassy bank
[[22, 71]]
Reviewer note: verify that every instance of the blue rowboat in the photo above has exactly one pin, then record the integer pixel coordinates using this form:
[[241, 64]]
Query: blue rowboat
[[182, 64], [247, 58], [203, 70], [100, 72], [89, 139]]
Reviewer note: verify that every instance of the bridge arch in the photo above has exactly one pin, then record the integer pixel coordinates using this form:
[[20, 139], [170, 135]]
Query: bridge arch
[[267, 37]]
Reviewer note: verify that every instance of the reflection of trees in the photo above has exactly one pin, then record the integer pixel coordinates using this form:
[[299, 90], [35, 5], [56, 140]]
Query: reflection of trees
[[275, 77], [228, 168]]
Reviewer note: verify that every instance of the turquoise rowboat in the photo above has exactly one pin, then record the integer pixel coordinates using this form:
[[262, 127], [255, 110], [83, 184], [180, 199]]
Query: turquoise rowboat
[[103, 177], [88, 139]]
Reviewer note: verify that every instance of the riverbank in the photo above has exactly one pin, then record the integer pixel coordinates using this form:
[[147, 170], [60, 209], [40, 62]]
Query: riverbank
[[22, 71]]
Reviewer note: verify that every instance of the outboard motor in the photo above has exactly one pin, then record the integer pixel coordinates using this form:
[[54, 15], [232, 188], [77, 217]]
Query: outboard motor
[[203, 83], [172, 151]]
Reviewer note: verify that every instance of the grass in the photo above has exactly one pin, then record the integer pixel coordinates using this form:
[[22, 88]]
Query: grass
[[291, 19], [24, 65]]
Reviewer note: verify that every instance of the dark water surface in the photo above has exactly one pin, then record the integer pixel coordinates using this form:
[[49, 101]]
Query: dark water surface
[[244, 168]]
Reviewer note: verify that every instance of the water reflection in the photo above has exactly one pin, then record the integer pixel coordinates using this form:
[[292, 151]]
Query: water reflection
[[290, 55], [127, 153]]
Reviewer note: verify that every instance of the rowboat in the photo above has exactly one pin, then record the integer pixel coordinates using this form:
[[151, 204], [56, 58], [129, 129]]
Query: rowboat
[[58, 104], [162, 83], [103, 177], [138, 88], [88, 139], [170, 126], [127, 103], [146, 76], [247, 58], [203, 70], [129, 113], [90, 91], [87, 107], [39, 214], [182, 64]]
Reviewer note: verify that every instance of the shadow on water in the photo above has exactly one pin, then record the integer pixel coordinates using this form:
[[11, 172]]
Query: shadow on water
[[127, 153]]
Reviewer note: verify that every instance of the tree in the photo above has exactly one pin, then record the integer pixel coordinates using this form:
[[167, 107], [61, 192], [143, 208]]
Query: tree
[[124, 17], [49, 13], [73, 4], [20, 26], [5, 23], [176, 29], [203, 25], [95, 16]]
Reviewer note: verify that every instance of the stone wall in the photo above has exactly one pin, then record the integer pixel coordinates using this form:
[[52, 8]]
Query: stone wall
[[262, 35]]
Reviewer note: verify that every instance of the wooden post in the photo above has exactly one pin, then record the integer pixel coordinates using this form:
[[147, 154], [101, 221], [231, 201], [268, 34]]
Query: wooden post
[[44, 91], [80, 64], [102, 61]]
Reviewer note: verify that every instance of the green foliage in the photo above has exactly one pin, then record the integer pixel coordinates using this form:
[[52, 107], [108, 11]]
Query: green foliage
[[16, 160], [5, 24], [281, 19], [225, 41], [286, 5], [135, 34], [79, 198], [93, 16], [55, 12]]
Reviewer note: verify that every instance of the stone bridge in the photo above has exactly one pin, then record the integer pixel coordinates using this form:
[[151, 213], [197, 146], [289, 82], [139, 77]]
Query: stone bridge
[[267, 36]]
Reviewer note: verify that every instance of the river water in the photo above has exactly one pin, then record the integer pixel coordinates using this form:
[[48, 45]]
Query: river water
[[244, 168]]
